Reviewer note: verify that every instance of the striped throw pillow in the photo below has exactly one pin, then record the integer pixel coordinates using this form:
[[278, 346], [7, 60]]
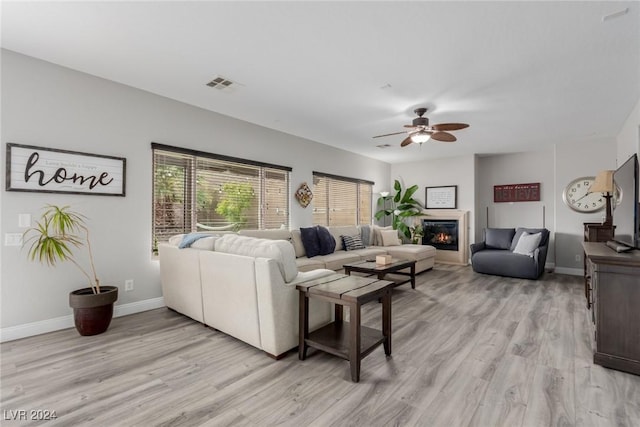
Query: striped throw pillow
[[352, 243]]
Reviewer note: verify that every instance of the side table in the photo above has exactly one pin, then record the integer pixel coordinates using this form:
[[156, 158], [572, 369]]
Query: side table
[[347, 340]]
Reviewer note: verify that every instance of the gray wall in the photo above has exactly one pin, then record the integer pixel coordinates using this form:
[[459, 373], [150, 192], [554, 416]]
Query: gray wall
[[51, 106]]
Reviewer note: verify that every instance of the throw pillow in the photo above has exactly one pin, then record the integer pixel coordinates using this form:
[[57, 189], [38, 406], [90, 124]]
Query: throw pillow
[[390, 238], [310, 241], [326, 240], [365, 234], [352, 243], [527, 243], [376, 238]]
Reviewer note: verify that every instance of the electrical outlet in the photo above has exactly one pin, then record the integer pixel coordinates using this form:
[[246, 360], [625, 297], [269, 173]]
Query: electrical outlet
[[128, 285], [578, 258]]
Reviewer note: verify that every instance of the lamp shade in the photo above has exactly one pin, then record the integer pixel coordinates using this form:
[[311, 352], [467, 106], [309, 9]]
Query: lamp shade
[[603, 183], [384, 193], [420, 137]]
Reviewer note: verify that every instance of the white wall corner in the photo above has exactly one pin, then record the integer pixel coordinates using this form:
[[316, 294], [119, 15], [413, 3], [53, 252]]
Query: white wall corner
[[56, 324]]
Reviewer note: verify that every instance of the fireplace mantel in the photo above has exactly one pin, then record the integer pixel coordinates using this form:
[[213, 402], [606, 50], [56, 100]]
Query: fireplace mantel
[[461, 256]]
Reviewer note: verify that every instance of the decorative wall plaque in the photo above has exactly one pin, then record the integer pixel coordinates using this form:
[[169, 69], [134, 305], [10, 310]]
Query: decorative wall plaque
[[50, 170], [516, 193], [304, 195], [445, 197]]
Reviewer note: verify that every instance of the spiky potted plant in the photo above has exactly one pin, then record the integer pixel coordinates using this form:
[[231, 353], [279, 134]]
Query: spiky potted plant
[[51, 241]]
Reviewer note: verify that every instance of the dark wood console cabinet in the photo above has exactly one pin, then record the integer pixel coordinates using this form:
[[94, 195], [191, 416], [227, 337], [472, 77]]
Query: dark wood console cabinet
[[615, 300], [594, 232]]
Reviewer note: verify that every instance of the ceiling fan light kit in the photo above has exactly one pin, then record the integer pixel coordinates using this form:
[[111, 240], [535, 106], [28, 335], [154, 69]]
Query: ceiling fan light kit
[[420, 132]]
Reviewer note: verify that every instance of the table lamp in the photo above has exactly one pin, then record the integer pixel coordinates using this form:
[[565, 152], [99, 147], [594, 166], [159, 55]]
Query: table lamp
[[604, 184]]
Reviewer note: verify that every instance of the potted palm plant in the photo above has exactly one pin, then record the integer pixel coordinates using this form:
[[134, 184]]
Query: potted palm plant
[[52, 240], [403, 206]]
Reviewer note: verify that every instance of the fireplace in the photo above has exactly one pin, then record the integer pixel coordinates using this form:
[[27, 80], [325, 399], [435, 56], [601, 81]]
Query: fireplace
[[441, 233]]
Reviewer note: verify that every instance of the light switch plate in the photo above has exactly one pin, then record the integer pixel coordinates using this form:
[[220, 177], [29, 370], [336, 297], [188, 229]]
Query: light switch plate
[[24, 220], [13, 239]]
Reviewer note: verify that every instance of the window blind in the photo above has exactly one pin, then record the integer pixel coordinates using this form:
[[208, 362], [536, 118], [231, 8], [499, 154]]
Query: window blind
[[340, 200], [198, 192]]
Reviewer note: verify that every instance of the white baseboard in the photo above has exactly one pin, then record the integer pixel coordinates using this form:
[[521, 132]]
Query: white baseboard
[[58, 323], [570, 271]]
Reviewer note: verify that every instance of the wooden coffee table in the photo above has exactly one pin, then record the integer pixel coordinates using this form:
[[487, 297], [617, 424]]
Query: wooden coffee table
[[380, 270], [348, 340]]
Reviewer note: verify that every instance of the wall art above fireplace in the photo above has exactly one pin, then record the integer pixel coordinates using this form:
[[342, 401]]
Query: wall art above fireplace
[[444, 197], [49, 170]]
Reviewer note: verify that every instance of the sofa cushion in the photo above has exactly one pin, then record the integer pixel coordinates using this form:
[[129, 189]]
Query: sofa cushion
[[527, 243], [273, 234], [340, 230], [376, 238], [499, 238], [336, 260], [309, 264], [352, 243], [280, 250], [326, 240], [310, 241], [296, 239], [390, 238], [191, 238], [412, 252], [544, 233]]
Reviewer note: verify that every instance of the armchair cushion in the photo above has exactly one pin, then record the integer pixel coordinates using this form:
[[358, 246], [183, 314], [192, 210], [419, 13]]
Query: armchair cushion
[[544, 235], [499, 238], [527, 243]]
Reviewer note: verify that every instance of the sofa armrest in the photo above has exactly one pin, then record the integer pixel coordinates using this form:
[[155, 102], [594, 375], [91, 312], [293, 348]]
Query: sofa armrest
[[475, 247], [278, 307]]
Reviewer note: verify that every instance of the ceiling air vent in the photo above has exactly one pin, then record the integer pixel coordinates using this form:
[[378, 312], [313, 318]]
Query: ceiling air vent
[[383, 145], [220, 83]]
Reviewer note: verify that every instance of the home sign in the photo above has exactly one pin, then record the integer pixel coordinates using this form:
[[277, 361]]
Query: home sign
[[39, 169], [516, 193]]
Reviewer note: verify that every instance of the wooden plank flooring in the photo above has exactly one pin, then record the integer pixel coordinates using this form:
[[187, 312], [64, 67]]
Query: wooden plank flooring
[[468, 350]]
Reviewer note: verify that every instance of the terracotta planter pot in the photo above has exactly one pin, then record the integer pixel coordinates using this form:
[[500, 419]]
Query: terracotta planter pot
[[92, 313]]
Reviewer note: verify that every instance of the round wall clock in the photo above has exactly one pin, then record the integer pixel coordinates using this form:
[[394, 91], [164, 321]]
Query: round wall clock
[[575, 196]]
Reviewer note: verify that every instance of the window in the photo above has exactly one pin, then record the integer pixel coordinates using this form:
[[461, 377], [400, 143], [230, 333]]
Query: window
[[195, 191], [341, 201]]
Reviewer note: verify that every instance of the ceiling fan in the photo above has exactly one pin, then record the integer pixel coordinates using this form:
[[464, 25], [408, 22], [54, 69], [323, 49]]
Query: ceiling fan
[[421, 132]]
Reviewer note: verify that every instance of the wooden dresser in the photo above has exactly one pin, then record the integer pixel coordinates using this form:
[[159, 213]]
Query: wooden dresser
[[594, 232], [615, 304]]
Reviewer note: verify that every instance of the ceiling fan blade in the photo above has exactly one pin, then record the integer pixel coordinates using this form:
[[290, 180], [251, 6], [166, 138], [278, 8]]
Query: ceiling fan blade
[[406, 141], [449, 126], [410, 126], [389, 134], [443, 137]]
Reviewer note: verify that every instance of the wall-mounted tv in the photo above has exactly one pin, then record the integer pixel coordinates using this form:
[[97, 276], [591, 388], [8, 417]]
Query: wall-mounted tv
[[626, 217]]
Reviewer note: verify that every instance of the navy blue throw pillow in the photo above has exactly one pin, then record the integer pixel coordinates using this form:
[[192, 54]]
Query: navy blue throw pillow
[[327, 241], [310, 241]]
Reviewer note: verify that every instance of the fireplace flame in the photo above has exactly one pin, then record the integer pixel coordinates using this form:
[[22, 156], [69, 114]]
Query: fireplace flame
[[443, 238]]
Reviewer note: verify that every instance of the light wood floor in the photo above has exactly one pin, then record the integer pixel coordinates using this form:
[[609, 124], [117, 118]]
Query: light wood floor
[[468, 350]]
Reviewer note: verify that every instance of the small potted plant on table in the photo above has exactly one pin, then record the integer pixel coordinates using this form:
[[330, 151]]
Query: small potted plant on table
[[59, 230]]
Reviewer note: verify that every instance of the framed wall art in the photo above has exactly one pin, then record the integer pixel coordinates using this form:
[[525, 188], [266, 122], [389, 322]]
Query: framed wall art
[[443, 197], [49, 170]]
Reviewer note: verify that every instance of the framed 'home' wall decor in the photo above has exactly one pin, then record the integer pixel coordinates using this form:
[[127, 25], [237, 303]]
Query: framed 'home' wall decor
[[49, 170]]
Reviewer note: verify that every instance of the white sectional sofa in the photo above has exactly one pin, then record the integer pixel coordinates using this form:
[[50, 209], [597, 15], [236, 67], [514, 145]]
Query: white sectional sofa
[[245, 284], [242, 286]]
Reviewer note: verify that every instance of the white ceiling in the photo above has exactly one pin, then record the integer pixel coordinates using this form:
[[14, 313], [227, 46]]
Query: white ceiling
[[522, 74]]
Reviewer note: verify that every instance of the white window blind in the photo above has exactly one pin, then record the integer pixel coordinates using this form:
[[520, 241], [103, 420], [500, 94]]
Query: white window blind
[[195, 191], [341, 201]]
